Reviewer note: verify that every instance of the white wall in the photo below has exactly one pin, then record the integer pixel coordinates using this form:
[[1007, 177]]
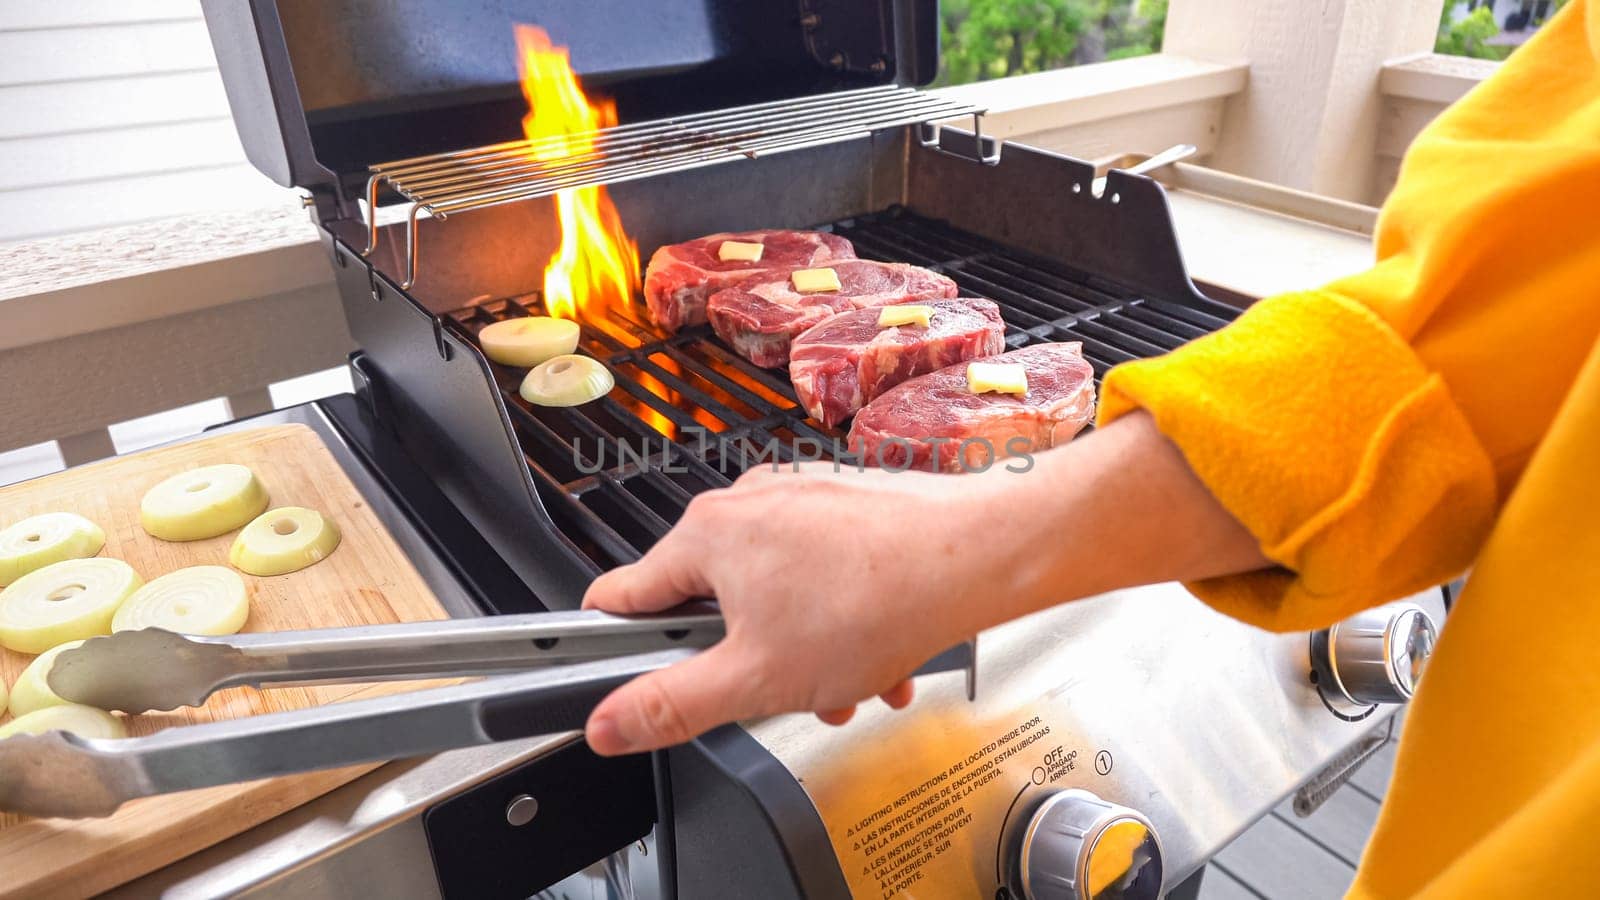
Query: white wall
[[112, 111], [1309, 117]]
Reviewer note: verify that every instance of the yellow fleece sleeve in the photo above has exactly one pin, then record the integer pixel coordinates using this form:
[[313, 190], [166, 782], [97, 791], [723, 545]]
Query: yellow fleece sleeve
[[1365, 431], [1354, 470]]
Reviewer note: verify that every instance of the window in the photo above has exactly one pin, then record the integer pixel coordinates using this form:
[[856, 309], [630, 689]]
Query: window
[[1490, 29], [994, 38]]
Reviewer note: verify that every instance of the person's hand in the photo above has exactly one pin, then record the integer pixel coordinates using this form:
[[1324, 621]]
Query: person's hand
[[835, 587]]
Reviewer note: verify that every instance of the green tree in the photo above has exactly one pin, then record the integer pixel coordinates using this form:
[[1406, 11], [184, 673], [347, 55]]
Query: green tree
[[1142, 31], [1470, 35], [995, 38]]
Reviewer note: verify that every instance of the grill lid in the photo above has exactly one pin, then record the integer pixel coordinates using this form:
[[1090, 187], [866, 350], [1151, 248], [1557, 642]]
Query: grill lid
[[321, 89]]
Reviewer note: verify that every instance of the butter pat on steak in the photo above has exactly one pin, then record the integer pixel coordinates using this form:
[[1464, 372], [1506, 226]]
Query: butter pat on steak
[[759, 316], [843, 362], [681, 277], [909, 423]]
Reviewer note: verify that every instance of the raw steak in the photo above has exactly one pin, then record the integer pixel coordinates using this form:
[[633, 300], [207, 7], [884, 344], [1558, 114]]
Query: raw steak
[[846, 360], [903, 427], [760, 315], [681, 277]]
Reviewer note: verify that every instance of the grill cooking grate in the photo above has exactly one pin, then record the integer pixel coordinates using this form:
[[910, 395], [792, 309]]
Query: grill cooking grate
[[689, 415]]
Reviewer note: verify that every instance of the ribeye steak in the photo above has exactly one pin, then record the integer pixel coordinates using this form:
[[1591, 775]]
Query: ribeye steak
[[759, 316], [934, 423], [681, 277], [840, 364]]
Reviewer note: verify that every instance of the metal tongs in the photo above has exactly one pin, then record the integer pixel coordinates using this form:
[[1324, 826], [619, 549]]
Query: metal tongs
[[547, 671], [1173, 154]]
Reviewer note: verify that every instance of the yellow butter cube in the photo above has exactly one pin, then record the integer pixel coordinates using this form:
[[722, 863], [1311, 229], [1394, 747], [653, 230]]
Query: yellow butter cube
[[998, 378], [909, 314], [813, 281], [742, 251]]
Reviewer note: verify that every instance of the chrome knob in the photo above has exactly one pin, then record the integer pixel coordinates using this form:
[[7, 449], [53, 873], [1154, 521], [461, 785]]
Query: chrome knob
[[1077, 847], [1376, 656]]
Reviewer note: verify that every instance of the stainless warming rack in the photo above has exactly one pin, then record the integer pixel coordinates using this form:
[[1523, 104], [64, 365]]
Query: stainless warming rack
[[447, 183]]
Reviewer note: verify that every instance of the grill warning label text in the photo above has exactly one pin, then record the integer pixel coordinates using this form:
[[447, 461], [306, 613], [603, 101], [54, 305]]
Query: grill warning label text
[[893, 844]]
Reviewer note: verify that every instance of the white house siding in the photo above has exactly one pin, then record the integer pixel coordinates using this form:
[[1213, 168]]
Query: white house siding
[[111, 112]]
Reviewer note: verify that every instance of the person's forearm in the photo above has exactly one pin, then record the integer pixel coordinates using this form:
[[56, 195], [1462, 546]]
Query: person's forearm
[[836, 585], [1117, 508]]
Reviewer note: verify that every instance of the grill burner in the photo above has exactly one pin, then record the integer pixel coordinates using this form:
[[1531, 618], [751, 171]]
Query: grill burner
[[717, 411]]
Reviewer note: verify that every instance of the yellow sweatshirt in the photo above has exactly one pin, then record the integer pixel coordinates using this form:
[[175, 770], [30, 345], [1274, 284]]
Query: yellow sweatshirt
[[1439, 411]]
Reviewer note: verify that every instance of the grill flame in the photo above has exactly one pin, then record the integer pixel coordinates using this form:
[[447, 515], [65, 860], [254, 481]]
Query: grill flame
[[597, 262]]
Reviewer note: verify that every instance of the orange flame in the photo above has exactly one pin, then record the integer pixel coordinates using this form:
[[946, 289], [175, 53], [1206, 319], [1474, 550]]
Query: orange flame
[[597, 261]]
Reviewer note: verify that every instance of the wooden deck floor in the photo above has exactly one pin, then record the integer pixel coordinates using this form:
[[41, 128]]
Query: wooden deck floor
[[1285, 857]]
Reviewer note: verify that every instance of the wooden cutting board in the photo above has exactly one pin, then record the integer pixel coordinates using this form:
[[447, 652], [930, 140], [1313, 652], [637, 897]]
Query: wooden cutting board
[[367, 580]]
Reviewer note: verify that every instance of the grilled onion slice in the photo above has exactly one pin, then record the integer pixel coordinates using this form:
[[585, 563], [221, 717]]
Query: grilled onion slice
[[570, 380], [202, 503], [283, 540], [208, 600], [83, 721], [32, 692], [38, 541], [66, 601], [528, 340]]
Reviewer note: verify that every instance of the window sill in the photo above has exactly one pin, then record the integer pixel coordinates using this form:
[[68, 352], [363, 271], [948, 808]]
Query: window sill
[[1414, 90], [1047, 101], [1433, 78], [59, 287]]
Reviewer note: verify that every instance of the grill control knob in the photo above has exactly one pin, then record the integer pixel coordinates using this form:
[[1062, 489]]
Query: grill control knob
[[1079, 847], [1376, 656]]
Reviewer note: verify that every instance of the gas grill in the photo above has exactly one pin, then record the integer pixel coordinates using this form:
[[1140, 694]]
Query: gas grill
[[1142, 723], [1101, 269]]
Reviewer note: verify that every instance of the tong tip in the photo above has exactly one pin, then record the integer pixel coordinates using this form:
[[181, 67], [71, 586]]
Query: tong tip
[[135, 671]]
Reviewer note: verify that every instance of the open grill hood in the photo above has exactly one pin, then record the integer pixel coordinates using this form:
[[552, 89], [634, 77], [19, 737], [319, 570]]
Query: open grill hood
[[321, 89]]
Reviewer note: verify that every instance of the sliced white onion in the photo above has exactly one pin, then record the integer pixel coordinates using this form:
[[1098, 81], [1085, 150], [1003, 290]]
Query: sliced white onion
[[202, 503], [208, 600], [83, 721], [528, 340], [32, 692], [66, 601], [283, 540], [38, 541], [570, 380]]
